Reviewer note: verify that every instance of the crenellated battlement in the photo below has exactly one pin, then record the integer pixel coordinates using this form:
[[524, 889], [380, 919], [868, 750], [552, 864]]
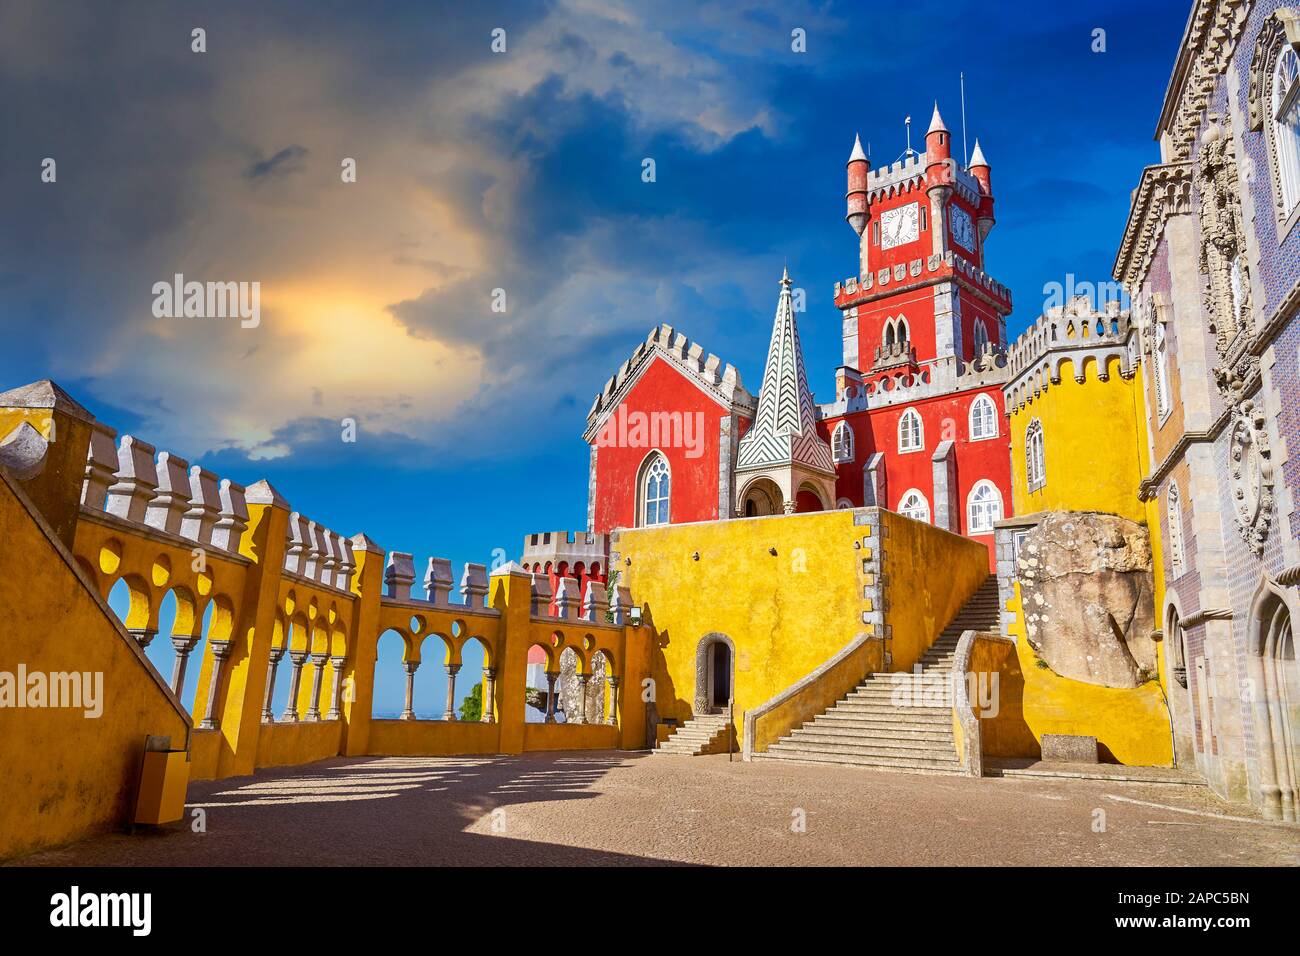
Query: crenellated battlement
[[1076, 333], [940, 377], [855, 289], [719, 377]]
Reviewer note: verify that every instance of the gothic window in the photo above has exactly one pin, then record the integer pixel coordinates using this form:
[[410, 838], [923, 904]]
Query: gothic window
[[981, 336], [1286, 127], [983, 419], [902, 330], [842, 443], [914, 505], [1175, 531], [911, 435], [1035, 470], [1161, 357], [655, 490], [983, 507], [889, 333]]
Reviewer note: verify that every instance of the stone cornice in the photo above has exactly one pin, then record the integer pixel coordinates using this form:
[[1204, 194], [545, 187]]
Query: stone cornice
[[1149, 486], [1164, 190], [1209, 40]]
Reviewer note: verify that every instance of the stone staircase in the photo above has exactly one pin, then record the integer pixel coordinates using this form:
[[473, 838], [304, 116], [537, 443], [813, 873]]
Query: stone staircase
[[867, 728], [702, 734]]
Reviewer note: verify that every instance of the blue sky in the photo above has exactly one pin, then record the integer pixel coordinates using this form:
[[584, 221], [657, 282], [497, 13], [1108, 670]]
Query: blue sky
[[518, 171]]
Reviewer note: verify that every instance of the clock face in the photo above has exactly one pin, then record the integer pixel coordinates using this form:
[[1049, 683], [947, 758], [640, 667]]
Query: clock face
[[898, 226], [963, 230]]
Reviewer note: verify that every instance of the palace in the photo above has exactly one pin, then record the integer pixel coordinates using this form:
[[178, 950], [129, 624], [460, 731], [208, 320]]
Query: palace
[[983, 557], [916, 424]]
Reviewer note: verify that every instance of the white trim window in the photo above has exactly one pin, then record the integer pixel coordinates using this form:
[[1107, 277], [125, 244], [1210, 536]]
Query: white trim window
[[1175, 515], [914, 505], [983, 418], [1163, 404], [983, 507], [1286, 128], [656, 490], [842, 443], [1035, 460], [911, 433]]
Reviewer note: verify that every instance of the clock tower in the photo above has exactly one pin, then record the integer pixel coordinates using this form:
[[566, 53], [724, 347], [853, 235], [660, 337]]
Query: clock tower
[[922, 293]]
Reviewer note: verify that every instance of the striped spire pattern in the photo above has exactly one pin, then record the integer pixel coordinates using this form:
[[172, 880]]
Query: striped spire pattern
[[785, 429]]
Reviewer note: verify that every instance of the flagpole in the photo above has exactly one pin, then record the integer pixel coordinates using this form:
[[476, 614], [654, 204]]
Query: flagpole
[[965, 160]]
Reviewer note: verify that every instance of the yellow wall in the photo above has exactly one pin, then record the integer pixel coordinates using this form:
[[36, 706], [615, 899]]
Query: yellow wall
[[65, 774], [1094, 444], [1096, 453], [1131, 725], [929, 575], [790, 611]]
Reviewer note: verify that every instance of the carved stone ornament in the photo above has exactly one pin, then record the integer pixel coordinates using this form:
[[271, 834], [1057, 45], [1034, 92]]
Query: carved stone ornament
[[1223, 250], [1252, 476]]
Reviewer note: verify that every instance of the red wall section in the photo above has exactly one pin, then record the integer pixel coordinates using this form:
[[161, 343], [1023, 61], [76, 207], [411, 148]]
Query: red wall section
[[694, 490], [943, 418]]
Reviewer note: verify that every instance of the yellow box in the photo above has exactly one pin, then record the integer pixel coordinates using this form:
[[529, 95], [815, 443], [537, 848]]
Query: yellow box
[[164, 779]]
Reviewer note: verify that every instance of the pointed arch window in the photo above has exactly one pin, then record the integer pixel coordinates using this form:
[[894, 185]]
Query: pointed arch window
[[1035, 463], [983, 419], [983, 508], [1286, 128], [1175, 515], [842, 443], [981, 337], [911, 433], [914, 505], [656, 488]]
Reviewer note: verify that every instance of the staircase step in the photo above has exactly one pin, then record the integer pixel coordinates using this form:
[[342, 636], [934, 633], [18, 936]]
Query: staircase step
[[858, 732], [873, 763], [893, 747]]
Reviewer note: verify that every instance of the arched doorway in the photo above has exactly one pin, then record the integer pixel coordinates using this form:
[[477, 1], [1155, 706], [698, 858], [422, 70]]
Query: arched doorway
[[1276, 693], [715, 671], [761, 497]]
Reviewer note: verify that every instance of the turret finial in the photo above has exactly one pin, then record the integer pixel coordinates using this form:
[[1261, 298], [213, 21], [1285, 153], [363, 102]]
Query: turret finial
[[936, 121]]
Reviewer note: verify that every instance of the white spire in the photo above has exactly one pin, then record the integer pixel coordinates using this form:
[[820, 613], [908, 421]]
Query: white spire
[[977, 157], [785, 428], [936, 121], [857, 150]]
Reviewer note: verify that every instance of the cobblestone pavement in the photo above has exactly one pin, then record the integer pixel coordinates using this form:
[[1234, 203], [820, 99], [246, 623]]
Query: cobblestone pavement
[[617, 808]]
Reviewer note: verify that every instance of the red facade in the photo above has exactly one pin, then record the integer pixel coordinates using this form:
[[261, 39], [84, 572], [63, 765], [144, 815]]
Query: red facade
[[924, 335]]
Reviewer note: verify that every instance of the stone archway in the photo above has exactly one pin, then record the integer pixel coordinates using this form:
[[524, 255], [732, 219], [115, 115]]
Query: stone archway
[[1275, 701], [715, 673], [761, 497]]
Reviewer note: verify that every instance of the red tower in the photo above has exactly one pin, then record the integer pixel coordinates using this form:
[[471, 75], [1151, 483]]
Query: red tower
[[918, 423]]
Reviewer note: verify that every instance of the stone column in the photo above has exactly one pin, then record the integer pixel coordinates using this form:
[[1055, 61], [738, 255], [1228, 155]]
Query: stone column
[[551, 678], [277, 655], [612, 720], [336, 694], [220, 651], [450, 712], [313, 709], [489, 694], [143, 635], [182, 644], [408, 712], [583, 681], [290, 714]]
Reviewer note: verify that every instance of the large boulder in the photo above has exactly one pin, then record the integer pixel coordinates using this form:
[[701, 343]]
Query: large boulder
[[1086, 588]]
